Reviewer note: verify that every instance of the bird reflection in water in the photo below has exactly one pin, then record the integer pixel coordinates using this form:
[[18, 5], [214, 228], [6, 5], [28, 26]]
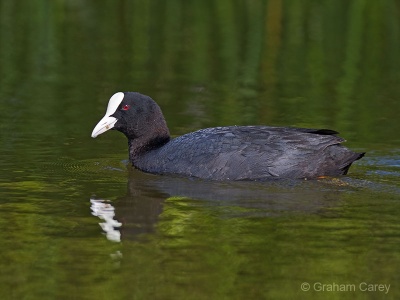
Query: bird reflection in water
[[106, 212], [137, 214]]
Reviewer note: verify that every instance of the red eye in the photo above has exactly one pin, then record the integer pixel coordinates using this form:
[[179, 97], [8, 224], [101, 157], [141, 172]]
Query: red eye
[[126, 107]]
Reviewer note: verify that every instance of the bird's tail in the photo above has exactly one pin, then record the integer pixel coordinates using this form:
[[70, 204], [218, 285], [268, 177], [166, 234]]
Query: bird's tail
[[349, 159]]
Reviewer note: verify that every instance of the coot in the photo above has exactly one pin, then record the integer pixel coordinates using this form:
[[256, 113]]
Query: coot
[[223, 153]]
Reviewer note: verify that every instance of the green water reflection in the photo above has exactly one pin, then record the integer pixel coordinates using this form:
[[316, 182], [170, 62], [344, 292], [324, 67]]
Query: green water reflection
[[325, 64]]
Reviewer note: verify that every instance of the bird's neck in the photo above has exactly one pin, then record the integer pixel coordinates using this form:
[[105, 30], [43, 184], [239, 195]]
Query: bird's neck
[[141, 145]]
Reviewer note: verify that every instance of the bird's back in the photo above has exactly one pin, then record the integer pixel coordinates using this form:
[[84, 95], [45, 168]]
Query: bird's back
[[250, 152]]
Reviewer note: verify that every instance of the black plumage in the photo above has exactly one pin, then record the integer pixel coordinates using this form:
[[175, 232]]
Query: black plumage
[[228, 153]]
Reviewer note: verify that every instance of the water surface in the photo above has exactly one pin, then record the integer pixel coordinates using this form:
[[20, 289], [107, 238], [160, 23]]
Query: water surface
[[78, 223]]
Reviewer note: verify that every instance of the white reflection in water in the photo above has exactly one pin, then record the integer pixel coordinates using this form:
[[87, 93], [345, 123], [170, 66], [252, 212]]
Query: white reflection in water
[[105, 211]]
